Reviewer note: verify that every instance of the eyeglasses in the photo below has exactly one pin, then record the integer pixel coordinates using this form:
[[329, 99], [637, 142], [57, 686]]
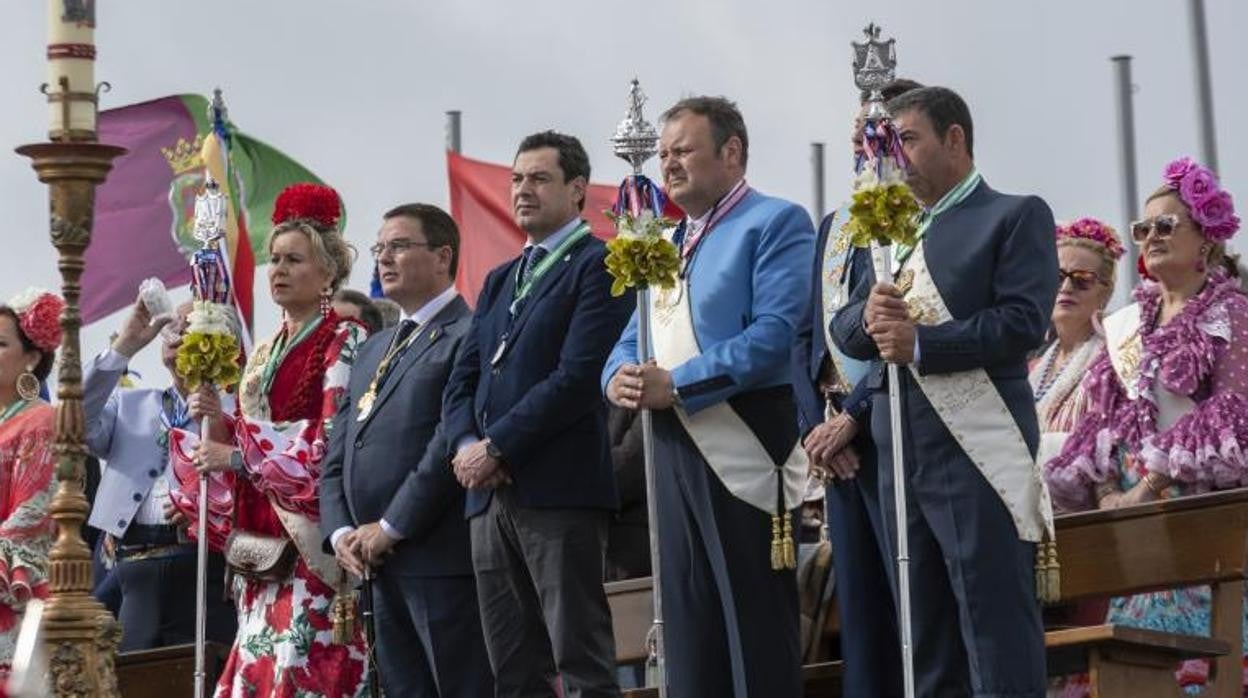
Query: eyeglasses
[[398, 247], [1163, 224], [1081, 279]]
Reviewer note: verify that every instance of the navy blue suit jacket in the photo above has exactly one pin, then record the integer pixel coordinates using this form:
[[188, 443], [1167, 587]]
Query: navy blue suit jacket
[[811, 347], [994, 259], [536, 396], [393, 465]]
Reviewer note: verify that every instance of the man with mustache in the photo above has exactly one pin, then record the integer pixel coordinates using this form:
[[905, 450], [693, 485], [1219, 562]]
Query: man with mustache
[[960, 313], [527, 427], [731, 471]]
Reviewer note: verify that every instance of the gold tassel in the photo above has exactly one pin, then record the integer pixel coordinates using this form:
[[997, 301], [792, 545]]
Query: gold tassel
[[343, 616], [777, 546], [790, 555], [1048, 572]]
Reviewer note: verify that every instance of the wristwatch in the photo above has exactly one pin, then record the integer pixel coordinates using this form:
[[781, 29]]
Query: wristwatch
[[492, 451], [676, 401]]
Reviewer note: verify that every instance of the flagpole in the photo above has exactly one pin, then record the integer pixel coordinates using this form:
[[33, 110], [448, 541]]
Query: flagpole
[[1204, 82], [1126, 163], [453, 133], [635, 141]]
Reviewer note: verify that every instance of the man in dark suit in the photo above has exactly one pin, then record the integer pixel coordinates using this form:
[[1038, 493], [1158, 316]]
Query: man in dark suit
[[388, 498], [975, 505], [833, 411], [524, 417]]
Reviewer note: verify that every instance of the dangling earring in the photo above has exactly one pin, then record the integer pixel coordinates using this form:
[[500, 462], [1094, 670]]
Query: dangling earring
[[326, 304], [28, 385], [1204, 254]]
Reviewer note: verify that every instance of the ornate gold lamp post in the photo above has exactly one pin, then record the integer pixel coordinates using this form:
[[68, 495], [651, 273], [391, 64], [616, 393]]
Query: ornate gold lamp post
[[81, 635]]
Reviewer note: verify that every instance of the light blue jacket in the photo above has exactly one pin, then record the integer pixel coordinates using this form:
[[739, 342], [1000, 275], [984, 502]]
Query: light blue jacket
[[124, 429], [749, 282]]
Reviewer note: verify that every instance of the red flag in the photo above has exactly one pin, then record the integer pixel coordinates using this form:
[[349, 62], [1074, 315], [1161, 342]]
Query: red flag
[[488, 236]]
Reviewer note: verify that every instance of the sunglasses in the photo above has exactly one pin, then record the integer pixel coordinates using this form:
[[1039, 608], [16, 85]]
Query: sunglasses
[[1164, 225], [1081, 279]]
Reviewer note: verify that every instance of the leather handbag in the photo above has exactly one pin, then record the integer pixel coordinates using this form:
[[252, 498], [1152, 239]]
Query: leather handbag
[[260, 558]]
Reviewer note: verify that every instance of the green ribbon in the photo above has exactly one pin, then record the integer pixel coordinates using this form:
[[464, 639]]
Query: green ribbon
[[12, 410], [281, 348], [952, 198], [523, 289]]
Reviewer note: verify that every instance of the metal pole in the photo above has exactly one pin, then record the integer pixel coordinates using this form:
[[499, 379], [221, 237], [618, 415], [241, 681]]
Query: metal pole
[[1204, 83], [453, 130], [370, 633], [879, 258], [201, 576], [655, 637], [1126, 159], [817, 165]]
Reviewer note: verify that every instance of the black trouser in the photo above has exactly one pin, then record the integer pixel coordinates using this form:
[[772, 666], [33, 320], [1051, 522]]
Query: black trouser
[[975, 617], [731, 622], [429, 637], [158, 594], [543, 607]]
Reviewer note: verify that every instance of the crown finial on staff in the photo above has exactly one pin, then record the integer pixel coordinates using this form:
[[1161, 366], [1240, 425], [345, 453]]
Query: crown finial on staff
[[875, 66], [635, 139]]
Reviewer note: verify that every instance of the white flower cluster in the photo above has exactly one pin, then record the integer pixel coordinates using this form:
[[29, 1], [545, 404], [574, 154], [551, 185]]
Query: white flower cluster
[[210, 318], [22, 301]]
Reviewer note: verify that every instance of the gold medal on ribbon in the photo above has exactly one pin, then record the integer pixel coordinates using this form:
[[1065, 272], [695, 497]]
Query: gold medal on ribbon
[[365, 405]]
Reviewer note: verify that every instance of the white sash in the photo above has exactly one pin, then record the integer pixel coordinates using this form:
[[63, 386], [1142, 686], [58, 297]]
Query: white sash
[[980, 421], [723, 438], [1126, 353]]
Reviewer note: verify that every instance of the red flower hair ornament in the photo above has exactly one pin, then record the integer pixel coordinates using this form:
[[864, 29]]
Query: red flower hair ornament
[[39, 316], [307, 201]]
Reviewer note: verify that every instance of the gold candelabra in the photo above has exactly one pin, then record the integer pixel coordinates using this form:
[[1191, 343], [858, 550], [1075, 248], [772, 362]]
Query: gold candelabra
[[80, 635]]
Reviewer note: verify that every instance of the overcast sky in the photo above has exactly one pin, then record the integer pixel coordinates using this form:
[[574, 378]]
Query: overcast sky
[[358, 90]]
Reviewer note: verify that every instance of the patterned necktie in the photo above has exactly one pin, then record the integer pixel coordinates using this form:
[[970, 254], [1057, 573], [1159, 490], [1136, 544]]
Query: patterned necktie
[[406, 328], [533, 256]]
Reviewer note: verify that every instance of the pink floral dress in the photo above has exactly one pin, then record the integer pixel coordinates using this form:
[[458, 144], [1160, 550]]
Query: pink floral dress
[[1185, 416], [26, 530]]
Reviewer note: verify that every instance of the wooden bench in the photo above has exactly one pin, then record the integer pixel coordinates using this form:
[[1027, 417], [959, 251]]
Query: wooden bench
[[167, 671], [1181, 542]]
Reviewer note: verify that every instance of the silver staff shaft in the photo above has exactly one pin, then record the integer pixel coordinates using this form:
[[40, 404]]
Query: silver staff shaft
[[879, 258], [201, 576], [655, 637]]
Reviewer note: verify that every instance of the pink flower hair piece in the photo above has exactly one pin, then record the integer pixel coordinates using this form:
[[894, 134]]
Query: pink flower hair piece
[[1094, 231], [1209, 204]]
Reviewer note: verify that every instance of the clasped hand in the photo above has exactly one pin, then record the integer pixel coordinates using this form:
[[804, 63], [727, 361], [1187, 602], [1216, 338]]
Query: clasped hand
[[367, 545], [644, 386], [889, 324], [828, 447], [476, 469]]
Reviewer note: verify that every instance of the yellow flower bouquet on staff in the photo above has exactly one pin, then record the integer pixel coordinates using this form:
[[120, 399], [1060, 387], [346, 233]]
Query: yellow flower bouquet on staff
[[639, 256], [882, 210], [209, 352]]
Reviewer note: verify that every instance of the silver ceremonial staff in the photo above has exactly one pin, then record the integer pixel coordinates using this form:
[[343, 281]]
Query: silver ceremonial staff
[[874, 66], [636, 141], [210, 214]]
